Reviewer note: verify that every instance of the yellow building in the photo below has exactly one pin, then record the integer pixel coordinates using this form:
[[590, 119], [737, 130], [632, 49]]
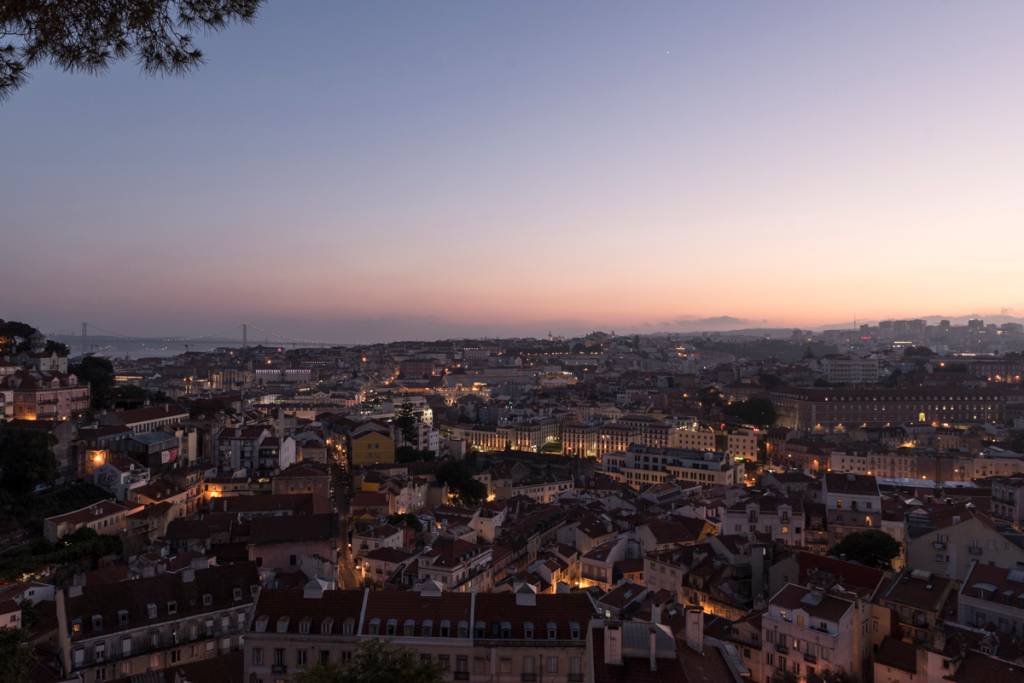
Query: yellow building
[[370, 444]]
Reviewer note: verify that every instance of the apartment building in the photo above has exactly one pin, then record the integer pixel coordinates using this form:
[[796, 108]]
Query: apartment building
[[993, 598], [832, 408], [946, 542], [640, 466], [118, 630], [778, 518], [1008, 500], [506, 637], [806, 631], [104, 517], [37, 395]]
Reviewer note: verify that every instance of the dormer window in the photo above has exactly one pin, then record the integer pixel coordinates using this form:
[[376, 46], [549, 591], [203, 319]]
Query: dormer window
[[446, 628], [552, 630], [282, 624], [305, 624], [122, 617], [463, 629], [528, 630], [374, 627], [151, 610], [391, 627], [409, 628], [427, 628], [207, 600], [348, 627], [326, 626], [254, 590], [236, 594], [574, 630], [172, 607], [481, 629], [506, 629], [97, 622], [261, 623]]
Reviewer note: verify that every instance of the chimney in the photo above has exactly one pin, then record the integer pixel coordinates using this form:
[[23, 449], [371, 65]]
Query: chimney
[[613, 643], [313, 589], [656, 612], [653, 637], [695, 629]]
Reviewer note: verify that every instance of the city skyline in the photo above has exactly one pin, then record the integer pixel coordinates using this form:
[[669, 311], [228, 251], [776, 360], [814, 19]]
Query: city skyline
[[487, 170]]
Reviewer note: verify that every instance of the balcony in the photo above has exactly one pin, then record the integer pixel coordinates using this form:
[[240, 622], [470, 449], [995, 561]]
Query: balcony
[[528, 678], [279, 669], [810, 659], [781, 649], [461, 675]]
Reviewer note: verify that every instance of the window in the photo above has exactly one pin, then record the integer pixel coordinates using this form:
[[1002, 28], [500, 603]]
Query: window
[[97, 622], [575, 665], [462, 663], [300, 657], [151, 610], [236, 594], [207, 599], [409, 628], [443, 662], [172, 607], [505, 665], [374, 627], [427, 628], [528, 664], [480, 665], [446, 628], [325, 656], [527, 630], [257, 656], [391, 627], [278, 656], [122, 617], [574, 630], [552, 667]]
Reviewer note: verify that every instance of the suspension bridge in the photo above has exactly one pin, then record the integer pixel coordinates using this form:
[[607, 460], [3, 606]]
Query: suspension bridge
[[240, 334]]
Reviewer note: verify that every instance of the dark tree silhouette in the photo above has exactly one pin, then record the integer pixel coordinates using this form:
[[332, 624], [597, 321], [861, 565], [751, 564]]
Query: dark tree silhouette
[[87, 35], [873, 548]]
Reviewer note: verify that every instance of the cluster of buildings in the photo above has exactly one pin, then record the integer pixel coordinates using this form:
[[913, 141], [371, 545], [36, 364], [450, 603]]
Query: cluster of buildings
[[606, 508]]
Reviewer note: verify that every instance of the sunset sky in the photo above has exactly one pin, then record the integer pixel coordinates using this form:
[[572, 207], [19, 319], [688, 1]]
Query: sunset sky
[[360, 171]]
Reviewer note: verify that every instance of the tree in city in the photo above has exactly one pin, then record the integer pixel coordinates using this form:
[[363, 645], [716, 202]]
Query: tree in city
[[459, 479], [756, 411], [407, 423], [16, 656], [89, 35], [376, 661], [98, 373], [872, 548], [26, 460]]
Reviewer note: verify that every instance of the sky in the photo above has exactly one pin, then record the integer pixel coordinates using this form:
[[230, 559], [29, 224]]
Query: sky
[[364, 171]]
